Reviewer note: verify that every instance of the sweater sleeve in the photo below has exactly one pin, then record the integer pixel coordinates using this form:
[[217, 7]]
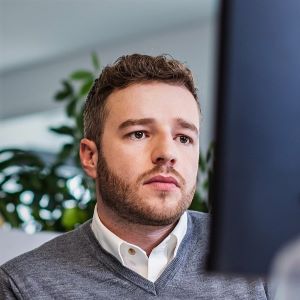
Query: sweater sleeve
[[8, 290]]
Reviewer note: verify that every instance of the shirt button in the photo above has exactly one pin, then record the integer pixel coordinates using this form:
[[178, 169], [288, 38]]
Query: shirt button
[[131, 251]]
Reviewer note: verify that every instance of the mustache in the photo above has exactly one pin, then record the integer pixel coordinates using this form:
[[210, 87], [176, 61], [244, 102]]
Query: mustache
[[162, 170]]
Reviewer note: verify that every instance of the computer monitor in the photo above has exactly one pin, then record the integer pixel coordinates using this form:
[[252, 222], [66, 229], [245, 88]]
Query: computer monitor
[[256, 187]]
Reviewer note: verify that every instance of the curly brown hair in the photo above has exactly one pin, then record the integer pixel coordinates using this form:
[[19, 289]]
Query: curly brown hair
[[127, 70]]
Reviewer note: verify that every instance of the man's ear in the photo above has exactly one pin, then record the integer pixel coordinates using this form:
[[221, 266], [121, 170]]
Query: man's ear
[[89, 157]]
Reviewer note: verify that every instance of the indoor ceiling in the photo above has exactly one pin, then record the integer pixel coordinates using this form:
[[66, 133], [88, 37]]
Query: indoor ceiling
[[38, 30]]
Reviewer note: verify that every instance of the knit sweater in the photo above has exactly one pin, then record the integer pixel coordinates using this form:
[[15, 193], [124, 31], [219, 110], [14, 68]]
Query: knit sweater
[[74, 266]]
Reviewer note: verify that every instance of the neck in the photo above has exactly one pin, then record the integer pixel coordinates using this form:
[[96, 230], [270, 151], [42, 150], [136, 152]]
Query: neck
[[145, 236]]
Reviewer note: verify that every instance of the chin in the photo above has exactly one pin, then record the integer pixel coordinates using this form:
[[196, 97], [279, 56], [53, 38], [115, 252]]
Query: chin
[[164, 218], [163, 201], [165, 205]]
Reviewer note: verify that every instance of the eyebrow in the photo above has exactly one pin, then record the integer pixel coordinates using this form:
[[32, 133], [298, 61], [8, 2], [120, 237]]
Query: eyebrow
[[187, 125], [133, 122], [148, 121]]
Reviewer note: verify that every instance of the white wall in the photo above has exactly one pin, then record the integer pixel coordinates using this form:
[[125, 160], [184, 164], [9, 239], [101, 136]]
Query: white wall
[[15, 242], [33, 87]]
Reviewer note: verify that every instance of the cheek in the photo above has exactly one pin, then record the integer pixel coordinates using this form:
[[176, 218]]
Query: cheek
[[190, 168], [126, 162]]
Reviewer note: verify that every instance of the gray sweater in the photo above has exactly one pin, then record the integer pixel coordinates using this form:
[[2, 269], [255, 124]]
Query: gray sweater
[[74, 266]]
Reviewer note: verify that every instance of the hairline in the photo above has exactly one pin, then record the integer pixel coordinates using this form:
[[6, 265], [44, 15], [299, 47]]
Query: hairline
[[105, 109]]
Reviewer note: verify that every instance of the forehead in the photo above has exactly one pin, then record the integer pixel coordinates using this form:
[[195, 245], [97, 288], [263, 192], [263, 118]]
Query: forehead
[[160, 101]]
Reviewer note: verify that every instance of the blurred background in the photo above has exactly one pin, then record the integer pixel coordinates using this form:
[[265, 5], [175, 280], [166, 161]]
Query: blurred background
[[49, 53], [43, 41]]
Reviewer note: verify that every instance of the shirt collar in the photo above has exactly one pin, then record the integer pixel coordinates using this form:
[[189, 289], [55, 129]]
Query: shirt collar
[[180, 230], [107, 239], [112, 243]]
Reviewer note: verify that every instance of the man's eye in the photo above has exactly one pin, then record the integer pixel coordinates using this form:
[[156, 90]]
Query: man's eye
[[137, 135], [185, 139]]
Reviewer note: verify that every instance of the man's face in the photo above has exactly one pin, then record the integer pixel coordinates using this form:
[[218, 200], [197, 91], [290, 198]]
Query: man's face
[[148, 160]]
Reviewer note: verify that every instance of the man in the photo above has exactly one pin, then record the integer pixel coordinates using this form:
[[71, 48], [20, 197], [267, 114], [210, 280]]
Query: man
[[141, 146]]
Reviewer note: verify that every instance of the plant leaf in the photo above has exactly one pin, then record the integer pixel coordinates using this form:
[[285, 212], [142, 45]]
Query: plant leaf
[[206, 184], [68, 86], [21, 158], [95, 61], [208, 155], [198, 204], [63, 130], [82, 75], [86, 87], [62, 95], [66, 92], [65, 152], [71, 108], [73, 216], [79, 123], [202, 163], [30, 181]]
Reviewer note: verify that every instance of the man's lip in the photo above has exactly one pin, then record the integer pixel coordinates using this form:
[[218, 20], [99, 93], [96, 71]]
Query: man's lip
[[165, 179]]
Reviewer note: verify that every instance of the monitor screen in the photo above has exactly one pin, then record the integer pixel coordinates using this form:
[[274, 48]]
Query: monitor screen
[[256, 187]]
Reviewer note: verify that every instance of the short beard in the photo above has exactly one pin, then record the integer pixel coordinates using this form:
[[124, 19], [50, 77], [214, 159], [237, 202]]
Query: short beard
[[122, 198]]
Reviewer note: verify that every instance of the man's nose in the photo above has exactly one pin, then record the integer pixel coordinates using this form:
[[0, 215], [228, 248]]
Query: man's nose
[[164, 152]]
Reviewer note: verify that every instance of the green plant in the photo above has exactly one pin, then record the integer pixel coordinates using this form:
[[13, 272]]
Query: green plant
[[55, 195], [201, 201]]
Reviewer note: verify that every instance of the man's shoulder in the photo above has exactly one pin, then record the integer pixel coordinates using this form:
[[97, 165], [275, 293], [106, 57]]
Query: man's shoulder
[[198, 228], [65, 245], [199, 219], [199, 215]]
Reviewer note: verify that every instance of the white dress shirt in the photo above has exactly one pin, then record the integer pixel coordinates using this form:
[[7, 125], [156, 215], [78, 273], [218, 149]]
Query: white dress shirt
[[135, 258]]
